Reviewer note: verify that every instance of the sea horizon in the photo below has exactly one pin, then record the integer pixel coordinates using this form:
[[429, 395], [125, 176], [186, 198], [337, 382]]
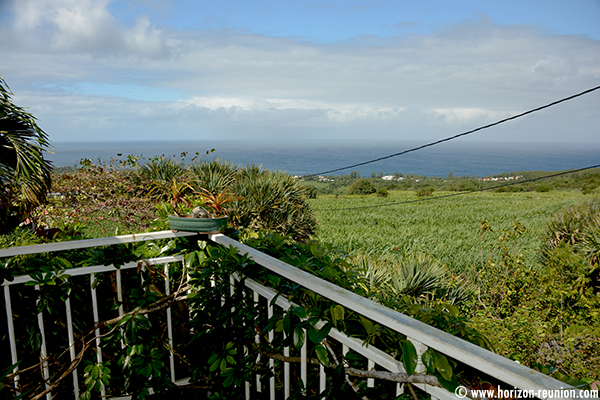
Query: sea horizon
[[317, 157]]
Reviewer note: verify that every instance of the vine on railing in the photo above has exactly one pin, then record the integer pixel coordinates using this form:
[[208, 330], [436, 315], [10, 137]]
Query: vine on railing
[[224, 341]]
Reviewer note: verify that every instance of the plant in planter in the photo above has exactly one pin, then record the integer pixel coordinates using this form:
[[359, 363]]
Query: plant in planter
[[190, 206]]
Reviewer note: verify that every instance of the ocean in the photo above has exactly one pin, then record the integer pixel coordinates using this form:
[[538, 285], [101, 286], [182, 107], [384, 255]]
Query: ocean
[[316, 157]]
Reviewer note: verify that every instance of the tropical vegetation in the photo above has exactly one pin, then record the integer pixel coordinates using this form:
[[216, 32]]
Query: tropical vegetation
[[510, 266], [24, 173]]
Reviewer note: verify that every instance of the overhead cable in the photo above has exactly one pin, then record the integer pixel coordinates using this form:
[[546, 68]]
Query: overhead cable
[[460, 134], [461, 193]]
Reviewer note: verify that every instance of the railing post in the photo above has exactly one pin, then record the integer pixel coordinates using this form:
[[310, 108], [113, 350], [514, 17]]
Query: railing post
[[169, 323], [271, 337], [97, 330], [43, 351], [256, 300], [421, 348], [72, 345], [303, 360], [11, 334]]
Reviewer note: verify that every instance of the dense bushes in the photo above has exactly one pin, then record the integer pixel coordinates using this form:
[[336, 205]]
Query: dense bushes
[[124, 194], [545, 315], [362, 186]]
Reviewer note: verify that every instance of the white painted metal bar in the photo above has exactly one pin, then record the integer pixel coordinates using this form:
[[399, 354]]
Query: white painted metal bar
[[484, 360], [169, 322], [303, 360], [322, 379], [256, 299], [271, 337], [370, 366], [120, 300], [286, 371], [11, 333], [71, 338], [82, 244], [43, 350], [97, 330], [95, 269]]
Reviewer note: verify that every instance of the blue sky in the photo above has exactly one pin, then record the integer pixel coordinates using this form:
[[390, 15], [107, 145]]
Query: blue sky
[[94, 70]]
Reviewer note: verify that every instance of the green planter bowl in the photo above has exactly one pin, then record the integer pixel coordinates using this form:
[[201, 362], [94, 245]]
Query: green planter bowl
[[204, 225]]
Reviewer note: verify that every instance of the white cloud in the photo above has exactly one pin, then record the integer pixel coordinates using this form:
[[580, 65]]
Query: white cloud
[[85, 26], [466, 74], [460, 116]]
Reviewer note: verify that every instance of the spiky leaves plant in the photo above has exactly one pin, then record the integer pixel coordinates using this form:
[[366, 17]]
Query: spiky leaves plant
[[24, 173], [216, 201], [214, 176], [273, 201], [419, 276], [161, 170], [175, 191]]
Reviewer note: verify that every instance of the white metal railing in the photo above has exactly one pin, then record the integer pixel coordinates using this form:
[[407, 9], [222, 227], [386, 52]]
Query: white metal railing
[[422, 335], [91, 271]]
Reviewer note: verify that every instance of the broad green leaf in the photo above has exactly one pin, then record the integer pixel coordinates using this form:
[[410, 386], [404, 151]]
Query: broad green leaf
[[298, 337], [442, 366], [409, 357], [279, 325], [300, 312], [448, 384], [337, 314], [322, 355], [367, 324], [429, 361], [313, 334]]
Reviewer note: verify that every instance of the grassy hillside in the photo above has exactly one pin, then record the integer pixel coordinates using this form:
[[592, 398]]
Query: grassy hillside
[[446, 228]]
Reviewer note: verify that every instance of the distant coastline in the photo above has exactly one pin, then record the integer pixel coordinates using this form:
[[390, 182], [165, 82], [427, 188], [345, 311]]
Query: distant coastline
[[302, 158]]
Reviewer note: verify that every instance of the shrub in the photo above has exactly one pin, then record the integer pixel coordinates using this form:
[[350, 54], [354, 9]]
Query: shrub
[[310, 192], [362, 186], [272, 201], [214, 176], [542, 189], [421, 277], [382, 192], [425, 192]]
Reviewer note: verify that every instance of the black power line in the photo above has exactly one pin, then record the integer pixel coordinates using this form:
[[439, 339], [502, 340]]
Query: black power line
[[460, 134], [461, 193]]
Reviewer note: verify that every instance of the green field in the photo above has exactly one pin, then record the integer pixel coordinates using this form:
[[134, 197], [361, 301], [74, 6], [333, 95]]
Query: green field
[[446, 228]]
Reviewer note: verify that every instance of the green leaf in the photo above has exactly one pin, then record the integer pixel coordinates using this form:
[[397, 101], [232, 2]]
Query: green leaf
[[448, 384], [322, 355], [300, 312], [279, 325], [368, 325], [298, 337], [442, 366], [317, 336], [409, 357], [337, 314], [429, 361]]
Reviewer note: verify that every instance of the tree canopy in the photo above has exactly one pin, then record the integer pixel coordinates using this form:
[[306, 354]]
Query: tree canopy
[[24, 173]]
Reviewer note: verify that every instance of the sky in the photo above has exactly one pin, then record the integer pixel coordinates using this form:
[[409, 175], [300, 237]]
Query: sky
[[129, 70]]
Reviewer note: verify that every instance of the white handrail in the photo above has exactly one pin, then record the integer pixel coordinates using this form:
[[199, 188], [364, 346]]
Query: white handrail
[[86, 243], [481, 359]]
